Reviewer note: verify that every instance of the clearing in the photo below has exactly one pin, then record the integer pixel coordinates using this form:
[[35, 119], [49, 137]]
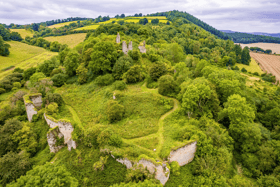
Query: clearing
[[273, 46], [71, 40], [23, 32], [61, 24], [23, 56], [269, 63], [253, 67]]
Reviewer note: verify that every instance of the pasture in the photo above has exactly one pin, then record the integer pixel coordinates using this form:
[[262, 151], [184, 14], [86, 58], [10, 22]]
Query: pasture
[[268, 63], [253, 67], [89, 27], [23, 32], [23, 56], [274, 47], [61, 24], [71, 40]]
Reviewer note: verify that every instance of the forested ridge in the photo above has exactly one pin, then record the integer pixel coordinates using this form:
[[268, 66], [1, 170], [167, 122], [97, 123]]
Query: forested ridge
[[116, 101], [246, 38]]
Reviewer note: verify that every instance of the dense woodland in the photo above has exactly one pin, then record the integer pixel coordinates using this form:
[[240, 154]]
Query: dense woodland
[[246, 38], [236, 125]]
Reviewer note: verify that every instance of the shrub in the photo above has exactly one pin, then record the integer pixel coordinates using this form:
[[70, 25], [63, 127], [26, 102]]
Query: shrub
[[175, 168], [121, 66], [36, 77], [2, 90], [104, 80], [52, 108], [157, 70], [119, 85], [17, 85], [243, 70], [256, 73], [167, 86], [28, 73], [18, 70], [56, 71], [115, 111], [48, 66], [53, 97], [135, 55], [134, 74], [59, 79]]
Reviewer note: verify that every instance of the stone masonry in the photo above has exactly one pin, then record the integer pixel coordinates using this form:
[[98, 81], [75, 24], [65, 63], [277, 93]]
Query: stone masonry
[[118, 39], [125, 49], [32, 102], [51, 137], [142, 48]]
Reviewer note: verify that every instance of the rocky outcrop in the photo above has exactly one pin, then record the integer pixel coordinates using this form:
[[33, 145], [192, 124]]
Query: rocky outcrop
[[32, 102], [142, 48], [118, 39], [65, 128], [124, 47], [52, 136], [125, 162], [183, 155]]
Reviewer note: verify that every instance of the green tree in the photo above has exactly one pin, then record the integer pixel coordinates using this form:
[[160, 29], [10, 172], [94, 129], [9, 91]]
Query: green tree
[[71, 63], [134, 74], [167, 86], [36, 77], [115, 111], [157, 70], [12, 166], [121, 66], [103, 57], [245, 56], [4, 48], [174, 53], [49, 175], [28, 73], [82, 72], [59, 79]]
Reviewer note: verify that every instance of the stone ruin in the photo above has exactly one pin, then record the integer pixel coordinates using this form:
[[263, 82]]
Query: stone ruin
[[118, 39], [64, 129], [130, 48], [142, 48], [125, 49], [32, 102], [183, 156]]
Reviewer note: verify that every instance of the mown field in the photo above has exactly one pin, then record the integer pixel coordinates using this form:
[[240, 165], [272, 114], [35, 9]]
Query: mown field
[[253, 67], [269, 63], [23, 56], [23, 32], [71, 40], [61, 24], [273, 46], [162, 19]]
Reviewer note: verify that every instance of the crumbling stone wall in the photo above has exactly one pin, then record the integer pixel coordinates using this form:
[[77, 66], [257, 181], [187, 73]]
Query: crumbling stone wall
[[51, 138], [143, 47], [130, 48], [31, 102], [118, 39], [125, 49], [65, 128], [183, 155]]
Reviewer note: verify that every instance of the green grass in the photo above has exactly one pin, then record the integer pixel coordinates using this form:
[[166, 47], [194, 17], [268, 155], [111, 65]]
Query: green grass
[[61, 24], [71, 40], [23, 32], [89, 27], [149, 143], [253, 67], [23, 56]]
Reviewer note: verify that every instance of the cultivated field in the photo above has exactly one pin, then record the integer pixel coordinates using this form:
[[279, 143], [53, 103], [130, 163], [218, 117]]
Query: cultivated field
[[62, 24], [23, 32], [89, 27], [23, 56], [269, 63], [253, 67], [71, 40], [274, 47]]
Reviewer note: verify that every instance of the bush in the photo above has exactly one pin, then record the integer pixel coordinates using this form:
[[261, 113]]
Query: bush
[[56, 71], [256, 73], [104, 80], [135, 55], [157, 70], [18, 70], [2, 90], [119, 85], [243, 70], [28, 73], [36, 77], [52, 108], [17, 85], [134, 74], [115, 111], [121, 66], [59, 79], [53, 97], [167, 86]]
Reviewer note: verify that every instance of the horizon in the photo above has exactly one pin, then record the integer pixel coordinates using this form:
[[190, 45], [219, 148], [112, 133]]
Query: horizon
[[245, 16]]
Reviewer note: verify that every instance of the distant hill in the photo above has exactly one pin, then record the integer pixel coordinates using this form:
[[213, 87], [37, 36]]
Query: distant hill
[[255, 33]]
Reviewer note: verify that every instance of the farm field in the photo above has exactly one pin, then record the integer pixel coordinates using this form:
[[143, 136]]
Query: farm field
[[89, 27], [71, 40], [253, 67], [61, 24], [23, 56], [269, 63], [273, 46], [23, 32]]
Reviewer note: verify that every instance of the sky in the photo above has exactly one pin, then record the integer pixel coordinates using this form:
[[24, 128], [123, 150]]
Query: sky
[[235, 15]]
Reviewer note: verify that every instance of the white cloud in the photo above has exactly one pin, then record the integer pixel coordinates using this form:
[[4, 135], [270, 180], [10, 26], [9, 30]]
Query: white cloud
[[238, 15]]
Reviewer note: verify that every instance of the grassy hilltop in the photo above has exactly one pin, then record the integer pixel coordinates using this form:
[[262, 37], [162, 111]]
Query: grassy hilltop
[[189, 86]]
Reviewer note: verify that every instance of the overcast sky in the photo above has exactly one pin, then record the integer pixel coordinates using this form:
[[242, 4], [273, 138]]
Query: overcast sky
[[236, 15]]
